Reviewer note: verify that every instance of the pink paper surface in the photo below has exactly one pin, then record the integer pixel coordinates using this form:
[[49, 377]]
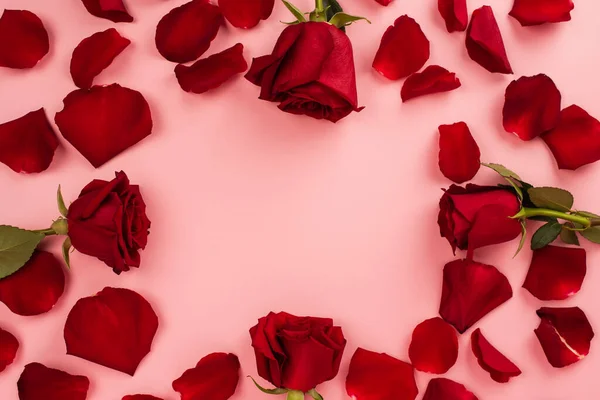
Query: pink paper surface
[[254, 210]]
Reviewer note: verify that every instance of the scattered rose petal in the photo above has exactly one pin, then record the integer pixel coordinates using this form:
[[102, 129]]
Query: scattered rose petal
[[434, 79], [492, 225], [8, 349], [36, 287], [384, 2], [404, 49], [140, 397], [113, 10], [459, 153], [104, 121], [576, 139], [215, 377], [23, 39], [470, 291], [185, 33], [40, 382], [94, 54], [501, 369], [537, 12], [378, 376], [445, 389], [565, 335], [455, 14], [246, 13], [27, 144], [484, 42], [114, 328], [434, 346], [210, 73]]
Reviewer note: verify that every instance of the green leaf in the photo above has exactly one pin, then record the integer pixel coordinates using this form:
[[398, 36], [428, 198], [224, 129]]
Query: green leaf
[[545, 235], [587, 214], [61, 203], [16, 247], [552, 198], [297, 13], [315, 395], [295, 395], [342, 19], [502, 170], [569, 237], [523, 237], [66, 248], [592, 234], [269, 391]]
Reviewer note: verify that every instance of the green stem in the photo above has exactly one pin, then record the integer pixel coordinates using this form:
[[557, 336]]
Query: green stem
[[545, 212], [319, 6], [46, 232]]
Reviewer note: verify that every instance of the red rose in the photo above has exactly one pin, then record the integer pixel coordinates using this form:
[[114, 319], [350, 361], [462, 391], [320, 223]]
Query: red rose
[[310, 72], [108, 221], [297, 353]]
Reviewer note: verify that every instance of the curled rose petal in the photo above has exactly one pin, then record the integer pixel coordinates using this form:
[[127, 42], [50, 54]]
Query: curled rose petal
[[40, 382], [8, 349], [501, 369], [27, 144], [104, 121], [446, 389], [484, 42], [459, 154], [537, 12], [246, 13], [576, 139], [384, 2], [210, 73], [23, 39], [434, 346], [36, 287], [140, 397], [455, 14], [185, 33], [404, 49], [113, 10], [114, 328], [565, 335], [94, 54], [433, 79], [470, 291], [377, 376], [215, 377]]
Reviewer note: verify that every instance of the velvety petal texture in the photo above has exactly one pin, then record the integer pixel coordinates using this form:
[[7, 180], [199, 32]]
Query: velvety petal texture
[[94, 54], [185, 33], [434, 346], [484, 42], [378, 376], [23, 39], [446, 389], [500, 368], [114, 328], [210, 73], [9, 345], [246, 13], [384, 2], [140, 397], [27, 144], [104, 121], [113, 10], [537, 12], [433, 79], [565, 335], [454, 13], [215, 377], [404, 49], [459, 157], [39, 382]]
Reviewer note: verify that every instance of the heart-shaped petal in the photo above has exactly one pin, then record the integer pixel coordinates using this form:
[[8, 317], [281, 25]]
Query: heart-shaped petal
[[23, 39], [434, 346]]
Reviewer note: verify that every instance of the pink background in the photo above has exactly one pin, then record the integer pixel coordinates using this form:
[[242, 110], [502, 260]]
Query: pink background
[[256, 210]]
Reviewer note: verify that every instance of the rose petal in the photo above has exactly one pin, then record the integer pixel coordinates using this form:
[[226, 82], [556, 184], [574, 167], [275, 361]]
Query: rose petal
[[484, 42], [36, 287], [459, 153], [185, 33], [537, 12], [492, 225], [210, 73], [501, 369], [445, 389], [565, 335], [378, 376], [433, 79], [8, 349], [455, 14], [404, 49], [140, 397], [113, 10], [246, 13], [40, 382], [27, 144], [384, 2], [114, 328], [23, 39], [434, 346], [94, 54], [576, 139], [104, 121], [470, 291], [215, 377]]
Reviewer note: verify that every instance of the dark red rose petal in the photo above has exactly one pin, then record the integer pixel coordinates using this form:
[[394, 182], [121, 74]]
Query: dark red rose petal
[[8, 349], [185, 33], [384, 2], [433, 79], [404, 49], [378, 376], [537, 12], [27, 144], [470, 291], [36, 287], [459, 153], [445, 389], [40, 382], [104, 121], [113, 10], [484, 42], [94, 54], [215, 377], [246, 13], [434, 346], [565, 335], [501, 369], [23, 39], [140, 397], [455, 14], [114, 328], [576, 139], [492, 225], [210, 73]]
